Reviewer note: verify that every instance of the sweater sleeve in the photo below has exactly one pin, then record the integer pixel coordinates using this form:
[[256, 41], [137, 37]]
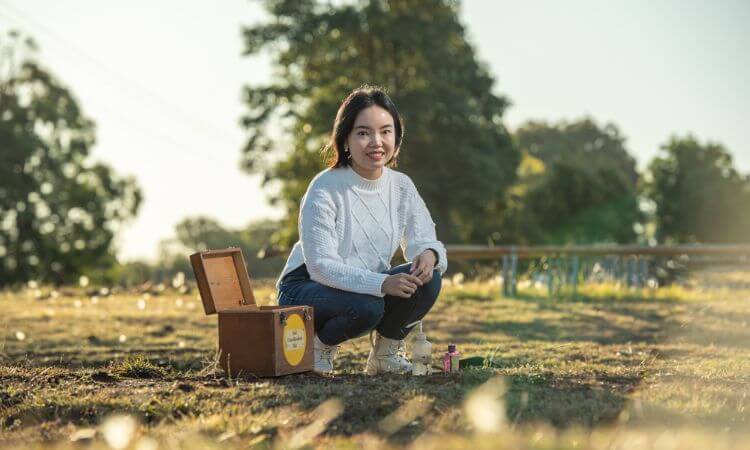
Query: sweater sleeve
[[317, 230], [419, 234]]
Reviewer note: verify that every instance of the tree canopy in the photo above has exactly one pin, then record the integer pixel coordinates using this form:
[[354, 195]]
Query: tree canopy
[[203, 233], [59, 210], [698, 194], [456, 148], [577, 184]]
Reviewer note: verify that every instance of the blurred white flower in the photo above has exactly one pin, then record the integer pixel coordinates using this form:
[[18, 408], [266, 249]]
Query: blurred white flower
[[324, 414], [178, 302], [405, 414], [226, 436], [458, 278], [178, 280], [94, 300], [181, 344], [485, 407], [54, 294], [20, 335], [141, 303], [33, 284], [118, 430], [190, 305], [122, 338], [77, 303], [83, 281], [83, 434]]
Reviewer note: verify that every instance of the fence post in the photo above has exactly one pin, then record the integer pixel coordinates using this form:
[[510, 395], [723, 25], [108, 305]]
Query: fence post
[[550, 276], [513, 270], [629, 272], [574, 275], [506, 276]]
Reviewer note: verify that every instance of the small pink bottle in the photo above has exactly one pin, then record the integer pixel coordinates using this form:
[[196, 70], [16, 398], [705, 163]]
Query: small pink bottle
[[450, 359]]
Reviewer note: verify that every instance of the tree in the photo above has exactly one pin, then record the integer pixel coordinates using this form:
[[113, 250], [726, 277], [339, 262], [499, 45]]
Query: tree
[[698, 194], [577, 184], [59, 211], [202, 233], [456, 148]]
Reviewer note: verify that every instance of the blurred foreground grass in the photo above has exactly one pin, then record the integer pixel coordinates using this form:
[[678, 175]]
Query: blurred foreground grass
[[611, 368]]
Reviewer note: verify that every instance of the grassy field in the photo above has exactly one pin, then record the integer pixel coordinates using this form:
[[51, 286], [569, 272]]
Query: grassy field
[[612, 368]]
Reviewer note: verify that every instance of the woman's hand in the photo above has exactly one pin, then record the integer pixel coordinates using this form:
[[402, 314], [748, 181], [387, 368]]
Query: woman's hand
[[401, 285], [423, 265]]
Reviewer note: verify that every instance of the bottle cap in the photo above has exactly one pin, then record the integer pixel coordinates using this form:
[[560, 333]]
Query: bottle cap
[[419, 335], [451, 348]]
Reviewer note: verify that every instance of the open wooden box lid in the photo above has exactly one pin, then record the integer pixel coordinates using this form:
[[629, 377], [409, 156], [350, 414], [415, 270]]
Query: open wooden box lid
[[223, 281]]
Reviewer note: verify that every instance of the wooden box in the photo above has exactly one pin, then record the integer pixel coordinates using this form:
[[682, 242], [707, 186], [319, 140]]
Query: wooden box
[[261, 341]]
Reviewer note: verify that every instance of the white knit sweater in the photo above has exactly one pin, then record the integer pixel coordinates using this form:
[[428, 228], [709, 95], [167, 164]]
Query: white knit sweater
[[350, 228]]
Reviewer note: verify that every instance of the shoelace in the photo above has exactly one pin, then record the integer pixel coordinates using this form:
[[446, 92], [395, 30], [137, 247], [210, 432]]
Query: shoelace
[[398, 349], [326, 353], [401, 349]]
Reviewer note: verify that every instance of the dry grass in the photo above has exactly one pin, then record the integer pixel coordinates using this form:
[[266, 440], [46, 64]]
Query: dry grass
[[612, 368]]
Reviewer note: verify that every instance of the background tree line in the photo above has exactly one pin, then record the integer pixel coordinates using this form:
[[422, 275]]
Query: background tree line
[[546, 183], [543, 183]]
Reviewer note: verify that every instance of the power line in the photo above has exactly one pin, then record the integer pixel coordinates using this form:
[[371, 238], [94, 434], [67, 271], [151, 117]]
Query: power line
[[132, 85]]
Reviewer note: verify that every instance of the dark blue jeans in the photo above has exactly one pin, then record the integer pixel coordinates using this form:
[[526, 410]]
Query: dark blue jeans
[[342, 315]]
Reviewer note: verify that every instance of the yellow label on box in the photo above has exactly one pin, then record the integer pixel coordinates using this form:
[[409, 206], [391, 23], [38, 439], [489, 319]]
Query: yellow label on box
[[295, 339]]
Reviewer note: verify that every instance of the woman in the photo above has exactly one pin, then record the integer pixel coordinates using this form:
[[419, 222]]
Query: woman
[[352, 219]]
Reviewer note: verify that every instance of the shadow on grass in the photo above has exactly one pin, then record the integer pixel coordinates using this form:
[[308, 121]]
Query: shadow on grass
[[594, 389], [567, 401], [634, 296], [583, 320]]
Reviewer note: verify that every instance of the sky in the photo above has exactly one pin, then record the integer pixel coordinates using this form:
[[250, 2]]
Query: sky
[[162, 80]]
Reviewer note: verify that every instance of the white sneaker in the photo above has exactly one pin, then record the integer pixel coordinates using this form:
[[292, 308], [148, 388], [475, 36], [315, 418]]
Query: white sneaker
[[324, 355], [386, 355]]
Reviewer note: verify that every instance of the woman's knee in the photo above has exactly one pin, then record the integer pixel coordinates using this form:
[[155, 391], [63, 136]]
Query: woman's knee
[[365, 314], [432, 287]]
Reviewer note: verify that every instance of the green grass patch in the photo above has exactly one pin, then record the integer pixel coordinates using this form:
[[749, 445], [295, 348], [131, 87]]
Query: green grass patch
[[136, 366]]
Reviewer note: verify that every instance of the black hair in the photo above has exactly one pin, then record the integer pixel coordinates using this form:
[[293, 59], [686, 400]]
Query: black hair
[[359, 99]]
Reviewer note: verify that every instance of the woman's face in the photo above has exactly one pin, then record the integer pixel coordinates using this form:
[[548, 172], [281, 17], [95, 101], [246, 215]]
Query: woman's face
[[372, 141]]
